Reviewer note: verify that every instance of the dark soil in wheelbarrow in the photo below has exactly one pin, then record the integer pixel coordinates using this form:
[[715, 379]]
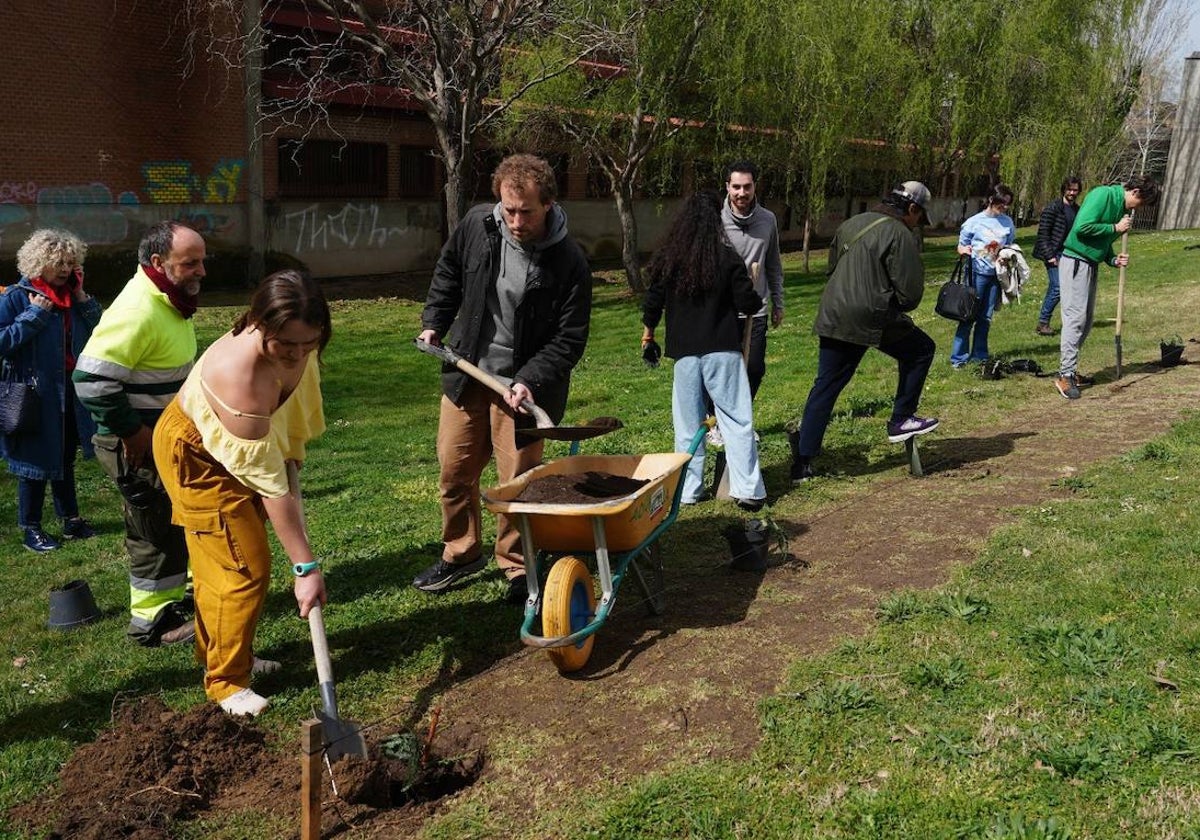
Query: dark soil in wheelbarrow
[[156, 768], [580, 488]]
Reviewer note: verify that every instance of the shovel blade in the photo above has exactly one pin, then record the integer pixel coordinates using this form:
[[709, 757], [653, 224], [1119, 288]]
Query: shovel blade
[[593, 428], [342, 737]]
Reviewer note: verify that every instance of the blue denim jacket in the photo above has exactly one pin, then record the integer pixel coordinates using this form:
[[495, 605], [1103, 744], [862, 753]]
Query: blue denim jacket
[[32, 341]]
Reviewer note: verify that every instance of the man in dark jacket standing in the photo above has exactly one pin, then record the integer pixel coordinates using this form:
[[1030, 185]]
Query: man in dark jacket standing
[[1053, 226], [875, 277], [511, 293]]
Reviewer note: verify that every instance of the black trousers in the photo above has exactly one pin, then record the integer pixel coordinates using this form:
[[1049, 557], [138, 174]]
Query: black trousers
[[836, 363]]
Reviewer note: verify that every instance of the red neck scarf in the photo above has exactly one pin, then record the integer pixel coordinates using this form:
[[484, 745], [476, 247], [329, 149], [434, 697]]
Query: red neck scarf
[[60, 296], [181, 300]]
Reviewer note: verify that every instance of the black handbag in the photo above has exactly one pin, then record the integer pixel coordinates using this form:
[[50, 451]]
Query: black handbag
[[957, 299], [20, 407]]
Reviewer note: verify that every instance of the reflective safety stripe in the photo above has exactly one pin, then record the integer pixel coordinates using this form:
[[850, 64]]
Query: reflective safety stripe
[[160, 585], [112, 370], [91, 389], [144, 607]]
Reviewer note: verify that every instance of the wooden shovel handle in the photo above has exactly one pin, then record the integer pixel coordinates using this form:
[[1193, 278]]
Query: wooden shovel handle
[[1121, 284]]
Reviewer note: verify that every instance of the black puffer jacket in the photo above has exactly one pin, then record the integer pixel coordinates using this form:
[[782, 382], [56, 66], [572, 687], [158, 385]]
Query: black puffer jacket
[[1053, 226], [553, 318]]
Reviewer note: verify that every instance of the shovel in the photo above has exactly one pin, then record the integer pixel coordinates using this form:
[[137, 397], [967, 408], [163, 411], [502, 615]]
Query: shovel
[[545, 426], [1120, 300], [342, 737]]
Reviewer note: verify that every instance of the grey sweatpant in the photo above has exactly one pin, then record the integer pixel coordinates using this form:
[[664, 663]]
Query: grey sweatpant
[[1077, 285]]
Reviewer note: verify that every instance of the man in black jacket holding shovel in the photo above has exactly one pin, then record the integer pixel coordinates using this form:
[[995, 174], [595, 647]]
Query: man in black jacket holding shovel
[[875, 278], [512, 294]]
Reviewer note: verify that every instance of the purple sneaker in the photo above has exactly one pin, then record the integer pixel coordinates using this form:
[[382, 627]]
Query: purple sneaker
[[910, 427]]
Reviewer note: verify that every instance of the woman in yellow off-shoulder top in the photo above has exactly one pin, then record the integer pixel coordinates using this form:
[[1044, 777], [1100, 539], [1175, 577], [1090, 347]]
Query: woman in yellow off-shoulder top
[[223, 447]]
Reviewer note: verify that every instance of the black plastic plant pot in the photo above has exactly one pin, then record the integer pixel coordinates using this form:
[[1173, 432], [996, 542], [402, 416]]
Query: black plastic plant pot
[[72, 605]]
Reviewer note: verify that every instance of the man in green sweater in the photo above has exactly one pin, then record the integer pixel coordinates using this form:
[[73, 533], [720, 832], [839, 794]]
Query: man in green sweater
[[1103, 216]]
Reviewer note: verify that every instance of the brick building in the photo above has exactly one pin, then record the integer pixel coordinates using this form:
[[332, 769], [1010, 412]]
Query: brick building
[[121, 113]]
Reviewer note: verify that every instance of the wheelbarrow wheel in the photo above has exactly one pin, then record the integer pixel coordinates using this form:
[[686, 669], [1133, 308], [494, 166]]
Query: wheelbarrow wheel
[[568, 604]]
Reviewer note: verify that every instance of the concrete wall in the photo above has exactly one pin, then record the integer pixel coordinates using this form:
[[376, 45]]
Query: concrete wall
[[1181, 190]]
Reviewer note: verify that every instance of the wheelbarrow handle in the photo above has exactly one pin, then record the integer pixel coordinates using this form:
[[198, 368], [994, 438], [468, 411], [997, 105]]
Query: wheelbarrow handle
[[451, 358]]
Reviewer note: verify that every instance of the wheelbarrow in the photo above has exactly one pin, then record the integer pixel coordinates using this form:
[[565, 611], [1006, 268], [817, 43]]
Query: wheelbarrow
[[619, 533]]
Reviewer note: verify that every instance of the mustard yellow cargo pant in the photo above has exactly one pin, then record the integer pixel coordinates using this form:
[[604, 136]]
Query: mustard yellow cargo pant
[[225, 526]]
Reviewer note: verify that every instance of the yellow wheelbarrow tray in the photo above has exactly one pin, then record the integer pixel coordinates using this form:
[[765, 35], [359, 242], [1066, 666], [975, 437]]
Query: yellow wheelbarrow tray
[[618, 532]]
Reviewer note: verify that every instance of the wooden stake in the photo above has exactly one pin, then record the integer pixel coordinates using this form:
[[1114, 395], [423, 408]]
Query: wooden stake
[[311, 750]]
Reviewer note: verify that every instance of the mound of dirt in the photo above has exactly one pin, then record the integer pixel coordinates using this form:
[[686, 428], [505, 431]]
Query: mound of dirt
[[153, 767], [156, 768]]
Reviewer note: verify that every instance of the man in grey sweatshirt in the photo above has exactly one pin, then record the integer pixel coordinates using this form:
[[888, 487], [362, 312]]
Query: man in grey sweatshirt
[[512, 294], [754, 234]]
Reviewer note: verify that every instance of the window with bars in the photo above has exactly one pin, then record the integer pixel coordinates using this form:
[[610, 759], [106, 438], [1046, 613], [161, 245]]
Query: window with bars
[[418, 172], [332, 169]]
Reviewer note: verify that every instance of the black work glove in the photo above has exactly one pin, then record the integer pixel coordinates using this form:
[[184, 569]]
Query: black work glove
[[651, 353]]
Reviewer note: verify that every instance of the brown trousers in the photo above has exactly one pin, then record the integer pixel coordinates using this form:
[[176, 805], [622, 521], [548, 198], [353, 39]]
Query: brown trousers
[[468, 436], [225, 526]]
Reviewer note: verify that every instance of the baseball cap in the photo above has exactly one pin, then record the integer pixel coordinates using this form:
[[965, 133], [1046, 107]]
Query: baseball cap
[[918, 193]]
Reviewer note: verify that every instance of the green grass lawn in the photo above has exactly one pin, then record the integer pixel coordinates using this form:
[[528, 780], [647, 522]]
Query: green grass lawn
[[1017, 702]]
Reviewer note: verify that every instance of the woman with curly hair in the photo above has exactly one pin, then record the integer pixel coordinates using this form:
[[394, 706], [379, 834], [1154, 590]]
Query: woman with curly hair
[[45, 320], [703, 285]]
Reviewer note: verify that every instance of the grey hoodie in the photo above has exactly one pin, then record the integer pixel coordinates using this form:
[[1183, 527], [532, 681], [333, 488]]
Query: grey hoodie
[[517, 263]]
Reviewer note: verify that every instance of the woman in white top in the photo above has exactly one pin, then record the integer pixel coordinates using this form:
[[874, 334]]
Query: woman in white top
[[223, 448]]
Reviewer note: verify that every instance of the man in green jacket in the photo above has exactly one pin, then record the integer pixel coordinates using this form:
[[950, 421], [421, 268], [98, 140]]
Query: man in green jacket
[[1103, 216], [875, 277]]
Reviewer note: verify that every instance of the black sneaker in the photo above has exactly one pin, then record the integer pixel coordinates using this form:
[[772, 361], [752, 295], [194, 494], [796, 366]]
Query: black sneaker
[[38, 540], [441, 574], [802, 471], [77, 528], [910, 427], [750, 505]]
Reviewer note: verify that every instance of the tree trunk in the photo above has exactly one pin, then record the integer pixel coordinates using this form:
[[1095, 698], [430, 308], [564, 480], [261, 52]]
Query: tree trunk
[[623, 195], [456, 190], [807, 231]]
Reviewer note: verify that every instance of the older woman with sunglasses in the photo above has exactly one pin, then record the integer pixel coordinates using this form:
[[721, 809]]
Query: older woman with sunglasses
[[45, 320]]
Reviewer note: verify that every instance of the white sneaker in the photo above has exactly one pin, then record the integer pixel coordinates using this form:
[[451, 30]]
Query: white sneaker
[[713, 437], [245, 702]]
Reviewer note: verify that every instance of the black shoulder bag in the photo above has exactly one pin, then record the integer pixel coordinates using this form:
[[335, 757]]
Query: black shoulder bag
[[20, 409], [957, 299]]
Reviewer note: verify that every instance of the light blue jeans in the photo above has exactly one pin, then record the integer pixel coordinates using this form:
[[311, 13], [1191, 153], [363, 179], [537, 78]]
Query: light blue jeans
[[963, 350], [723, 376]]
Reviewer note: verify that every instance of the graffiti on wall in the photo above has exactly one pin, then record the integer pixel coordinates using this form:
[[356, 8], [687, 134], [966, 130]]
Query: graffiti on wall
[[174, 182], [313, 229], [204, 221], [18, 192], [87, 209]]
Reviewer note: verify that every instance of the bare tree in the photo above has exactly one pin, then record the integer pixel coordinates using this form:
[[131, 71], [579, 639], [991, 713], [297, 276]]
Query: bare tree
[[445, 55], [620, 113]]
